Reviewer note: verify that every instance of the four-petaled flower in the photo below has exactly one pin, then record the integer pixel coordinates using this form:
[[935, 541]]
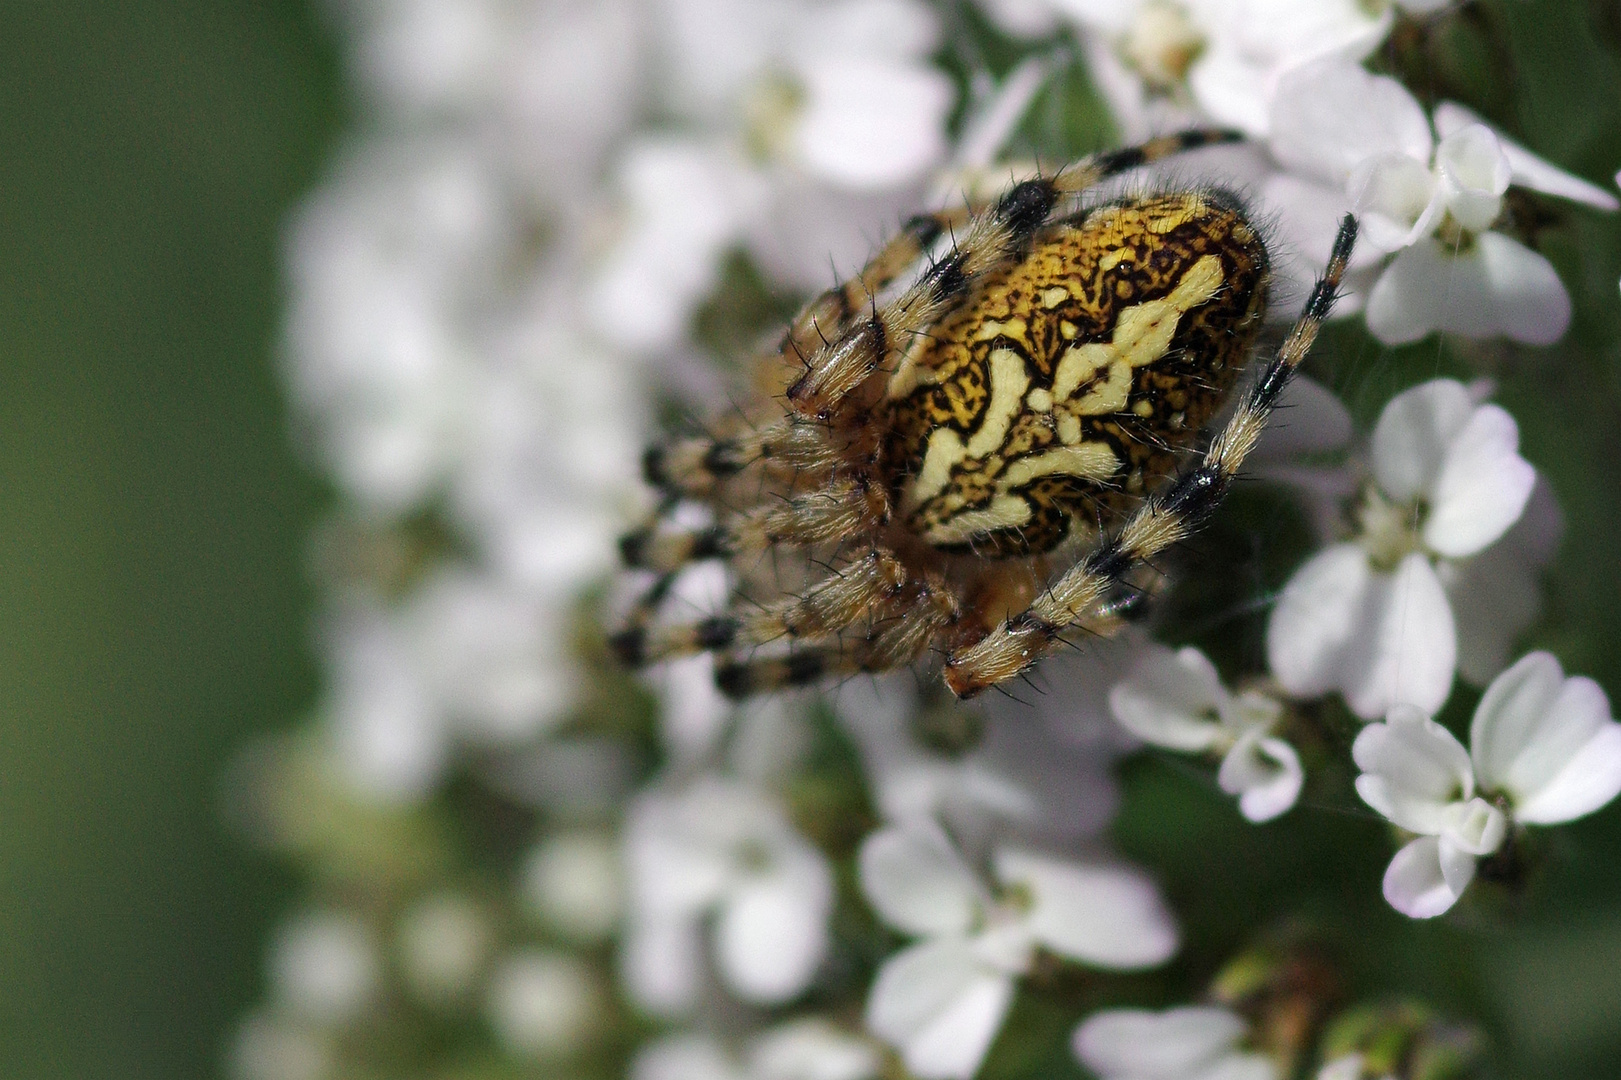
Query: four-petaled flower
[[1430, 200], [1371, 617], [942, 1000], [1543, 749], [721, 849]]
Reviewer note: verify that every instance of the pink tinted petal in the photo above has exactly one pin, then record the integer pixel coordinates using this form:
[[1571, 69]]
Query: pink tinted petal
[[1529, 170], [1407, 647], [1415, 433], [1317, 616], [1483, 485], [1328, 116], [1415, 885]]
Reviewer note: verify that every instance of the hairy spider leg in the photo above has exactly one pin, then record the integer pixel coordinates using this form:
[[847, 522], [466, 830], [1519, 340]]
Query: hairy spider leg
[[1165, 518]]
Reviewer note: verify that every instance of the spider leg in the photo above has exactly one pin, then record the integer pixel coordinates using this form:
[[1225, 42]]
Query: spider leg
[[842, 508], [848, 596], [993, 237], [695, 467], [1165, 518], [898, 638]]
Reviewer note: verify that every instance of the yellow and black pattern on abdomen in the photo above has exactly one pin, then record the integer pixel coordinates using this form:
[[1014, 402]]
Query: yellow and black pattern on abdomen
[[1074, 382]]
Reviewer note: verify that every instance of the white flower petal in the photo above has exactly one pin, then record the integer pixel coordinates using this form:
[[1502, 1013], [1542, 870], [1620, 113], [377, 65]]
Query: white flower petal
[[870, 122], [812, 1049], [1315, 619], [1549, 741], [1474, 173], [1264, 773], [1406, 649], [1529, 170], [684, 1057], [1414, 435], [916, 881], [1483, 485], [661, 963], [771, 933], [1589, 781], [1495, 287], [1242, 1067], [940, 1007], [1513, 737], [1327, 117], [1496, 595], [1475, 827], [1139, 1043], [1106, 917], [1398, 199], [1414, 884], [1413, 769], [1457, 865], [1171, 699]]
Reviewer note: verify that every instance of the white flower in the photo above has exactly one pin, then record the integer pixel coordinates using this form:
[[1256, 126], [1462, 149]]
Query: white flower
[[1189, 1043], [1371, 618], [443, 941], [1225, 56], [543, 1002], [324, 966], [1431, 201], [723, 849], [1543, 745], [1177, 700], [942, 1000], [573, 881], [805, 1049]]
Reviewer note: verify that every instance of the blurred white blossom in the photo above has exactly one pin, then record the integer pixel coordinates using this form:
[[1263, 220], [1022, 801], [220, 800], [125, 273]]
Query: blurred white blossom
[[324, 966], [543, 1003], [1204, 1042], [573, 880], [805, 1049], [722, 849], [443, 941], [942, 1000], [1543, 749]]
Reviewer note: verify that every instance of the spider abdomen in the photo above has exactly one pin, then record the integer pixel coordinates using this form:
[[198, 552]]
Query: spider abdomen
[[1068, 386]]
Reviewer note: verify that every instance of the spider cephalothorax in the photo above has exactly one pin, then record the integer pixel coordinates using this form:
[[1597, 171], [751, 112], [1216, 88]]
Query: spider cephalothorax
[[981, 460]]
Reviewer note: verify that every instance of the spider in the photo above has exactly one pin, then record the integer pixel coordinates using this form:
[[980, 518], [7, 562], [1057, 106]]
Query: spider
[[977, 462]]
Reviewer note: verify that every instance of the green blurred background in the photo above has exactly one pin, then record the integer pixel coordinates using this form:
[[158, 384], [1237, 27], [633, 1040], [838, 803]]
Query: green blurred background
[[152, 606]]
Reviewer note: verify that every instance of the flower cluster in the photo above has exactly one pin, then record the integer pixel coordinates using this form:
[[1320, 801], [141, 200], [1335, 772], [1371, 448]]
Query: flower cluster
[[556, 222]]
